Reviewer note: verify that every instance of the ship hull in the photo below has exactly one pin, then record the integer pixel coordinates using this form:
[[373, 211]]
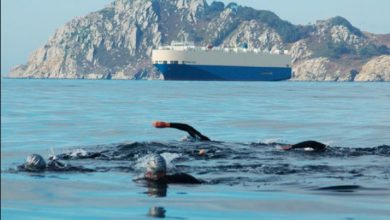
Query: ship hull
[[222, 73]]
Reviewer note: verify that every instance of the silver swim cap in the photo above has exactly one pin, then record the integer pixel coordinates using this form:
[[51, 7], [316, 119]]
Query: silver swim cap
[[158, 212], [35, 162], [156, 164]]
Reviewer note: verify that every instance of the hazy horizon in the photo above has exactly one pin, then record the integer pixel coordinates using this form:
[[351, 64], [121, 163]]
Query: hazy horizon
[[23, 32]]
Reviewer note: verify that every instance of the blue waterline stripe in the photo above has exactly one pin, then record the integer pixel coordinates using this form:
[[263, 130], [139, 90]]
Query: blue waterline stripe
[[223, 73]]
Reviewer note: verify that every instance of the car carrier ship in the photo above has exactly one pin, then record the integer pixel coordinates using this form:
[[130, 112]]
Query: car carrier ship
[[185, 61]]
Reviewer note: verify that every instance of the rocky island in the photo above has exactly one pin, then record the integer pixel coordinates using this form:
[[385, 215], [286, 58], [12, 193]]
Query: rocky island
[[116, 42]]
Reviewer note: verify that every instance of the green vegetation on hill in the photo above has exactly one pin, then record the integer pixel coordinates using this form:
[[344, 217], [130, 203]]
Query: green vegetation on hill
[[338, 20], [372, 50], [289, 32], [339, 49]]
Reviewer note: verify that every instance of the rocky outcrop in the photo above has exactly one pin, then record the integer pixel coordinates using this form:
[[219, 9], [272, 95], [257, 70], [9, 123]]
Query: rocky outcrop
[[116, 42], [338, 30], [256, 35], [300, 51], [321, 69], [377, 69], [195, 8]]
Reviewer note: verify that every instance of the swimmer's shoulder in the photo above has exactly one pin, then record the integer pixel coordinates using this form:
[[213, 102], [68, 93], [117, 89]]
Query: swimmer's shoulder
[[182, 178]]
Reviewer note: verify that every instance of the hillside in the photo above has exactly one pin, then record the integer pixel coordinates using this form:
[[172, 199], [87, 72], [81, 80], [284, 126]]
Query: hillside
[[116, 42]]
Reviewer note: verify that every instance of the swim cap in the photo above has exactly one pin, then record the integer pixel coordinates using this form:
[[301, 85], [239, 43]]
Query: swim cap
[[158, 212], [156, 164], [35, 162], [161, 124], [202, 152]]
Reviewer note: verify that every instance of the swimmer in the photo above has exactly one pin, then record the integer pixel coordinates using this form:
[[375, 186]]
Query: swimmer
[[307, 146], [156, 169], [184, 127], [36, 163]]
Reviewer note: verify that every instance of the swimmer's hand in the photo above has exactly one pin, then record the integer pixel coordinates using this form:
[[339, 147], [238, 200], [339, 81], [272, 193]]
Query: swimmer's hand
[[161, 124]]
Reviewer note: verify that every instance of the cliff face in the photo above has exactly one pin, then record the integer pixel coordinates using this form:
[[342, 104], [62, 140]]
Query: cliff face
[[112, 43], [116, 42], [377, 69]]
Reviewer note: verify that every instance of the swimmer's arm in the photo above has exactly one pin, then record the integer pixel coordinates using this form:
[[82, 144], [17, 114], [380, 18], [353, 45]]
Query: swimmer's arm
[[192, 131], [184, 127]]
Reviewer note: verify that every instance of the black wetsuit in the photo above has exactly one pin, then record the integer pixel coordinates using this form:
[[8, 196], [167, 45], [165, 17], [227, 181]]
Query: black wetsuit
[[56, 166], [191, 131], [180, 178], [177, 178], [315, 145]]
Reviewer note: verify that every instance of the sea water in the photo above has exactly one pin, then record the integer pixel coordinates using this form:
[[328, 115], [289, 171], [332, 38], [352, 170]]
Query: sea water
[[57, 116]]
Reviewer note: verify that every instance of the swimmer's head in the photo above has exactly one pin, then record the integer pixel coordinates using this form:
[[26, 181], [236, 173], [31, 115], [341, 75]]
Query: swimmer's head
[[35, 162], [158, 212], [202, 152], [156, 167]]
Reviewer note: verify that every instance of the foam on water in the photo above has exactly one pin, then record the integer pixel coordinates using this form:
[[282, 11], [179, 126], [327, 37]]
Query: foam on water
[[78, 152]]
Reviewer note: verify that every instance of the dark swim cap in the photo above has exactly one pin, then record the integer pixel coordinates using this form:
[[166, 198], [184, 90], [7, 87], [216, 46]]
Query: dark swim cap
[[35, 162]]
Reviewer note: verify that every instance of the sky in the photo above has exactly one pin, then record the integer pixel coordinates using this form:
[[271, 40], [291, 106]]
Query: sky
[[27, 24]]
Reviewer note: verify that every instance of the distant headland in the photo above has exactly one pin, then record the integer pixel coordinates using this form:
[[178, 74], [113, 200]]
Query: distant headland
[[116, 42]]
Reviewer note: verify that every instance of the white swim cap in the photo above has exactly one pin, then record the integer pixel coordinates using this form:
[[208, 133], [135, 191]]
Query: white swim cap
[[158, 212], [156, 164]]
